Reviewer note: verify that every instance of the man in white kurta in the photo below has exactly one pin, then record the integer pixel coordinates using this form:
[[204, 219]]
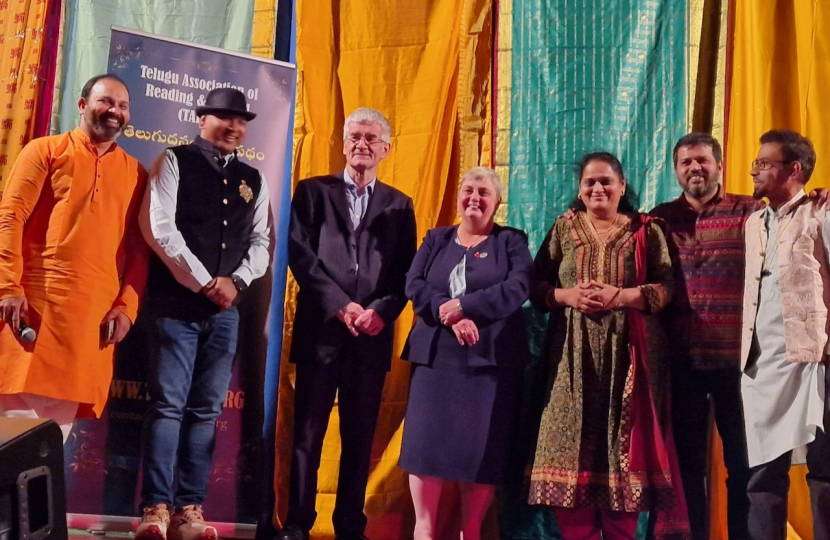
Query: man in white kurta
[[784, 353]]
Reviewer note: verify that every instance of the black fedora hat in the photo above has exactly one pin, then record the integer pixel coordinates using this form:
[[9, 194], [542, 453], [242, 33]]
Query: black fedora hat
[[225, 101]]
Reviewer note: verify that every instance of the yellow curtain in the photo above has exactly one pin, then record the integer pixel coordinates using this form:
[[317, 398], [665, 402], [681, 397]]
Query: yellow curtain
[[780, 76], [426, 65], [21, 39], [264, 26], [504, 94]]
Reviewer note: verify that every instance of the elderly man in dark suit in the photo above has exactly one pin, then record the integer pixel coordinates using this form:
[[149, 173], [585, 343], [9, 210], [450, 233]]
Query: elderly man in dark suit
[[351, 242]]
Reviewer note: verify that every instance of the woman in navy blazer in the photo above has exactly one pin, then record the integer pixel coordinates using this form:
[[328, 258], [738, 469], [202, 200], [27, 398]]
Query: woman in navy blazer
[[468, 348]]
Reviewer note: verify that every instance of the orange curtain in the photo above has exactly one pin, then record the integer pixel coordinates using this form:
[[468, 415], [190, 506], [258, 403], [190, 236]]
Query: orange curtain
[[21, 75], [427, 66]]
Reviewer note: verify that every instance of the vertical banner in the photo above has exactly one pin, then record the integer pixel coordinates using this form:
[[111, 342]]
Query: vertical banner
[[167, 80]]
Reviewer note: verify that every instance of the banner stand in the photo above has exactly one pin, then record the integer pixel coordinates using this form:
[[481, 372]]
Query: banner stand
[[167, 79]]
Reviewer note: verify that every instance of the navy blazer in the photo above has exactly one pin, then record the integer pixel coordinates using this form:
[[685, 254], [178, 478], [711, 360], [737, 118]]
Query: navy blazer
[[498, 272], [334, 265]]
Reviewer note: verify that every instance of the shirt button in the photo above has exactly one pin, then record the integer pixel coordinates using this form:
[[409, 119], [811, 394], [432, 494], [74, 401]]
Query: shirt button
[[225, 223], [224, 201], [223, 245], [225, 181]]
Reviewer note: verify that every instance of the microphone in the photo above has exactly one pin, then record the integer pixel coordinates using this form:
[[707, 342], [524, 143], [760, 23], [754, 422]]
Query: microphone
[[26, 333]]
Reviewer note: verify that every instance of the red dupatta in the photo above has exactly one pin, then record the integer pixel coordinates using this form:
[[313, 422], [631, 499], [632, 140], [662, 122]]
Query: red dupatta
[[651, 453]]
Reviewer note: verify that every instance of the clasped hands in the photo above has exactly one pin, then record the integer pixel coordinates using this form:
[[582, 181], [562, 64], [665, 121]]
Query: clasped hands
[[221, 291], [359, 320], [592, 297], [465, 330]]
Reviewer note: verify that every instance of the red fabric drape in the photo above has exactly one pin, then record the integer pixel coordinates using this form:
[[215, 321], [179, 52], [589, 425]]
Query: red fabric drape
[[651, 452]]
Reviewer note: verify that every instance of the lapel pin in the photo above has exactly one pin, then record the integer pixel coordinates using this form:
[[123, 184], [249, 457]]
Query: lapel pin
[[481, 255]]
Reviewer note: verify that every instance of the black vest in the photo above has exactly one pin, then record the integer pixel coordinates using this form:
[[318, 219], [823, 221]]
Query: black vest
[[215, 215]]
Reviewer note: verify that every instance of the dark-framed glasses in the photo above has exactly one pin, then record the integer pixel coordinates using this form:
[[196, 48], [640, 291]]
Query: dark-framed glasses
[[765, 164]]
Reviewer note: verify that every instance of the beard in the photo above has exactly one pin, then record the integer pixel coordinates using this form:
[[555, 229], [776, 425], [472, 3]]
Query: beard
[[699, 191], [100, 124]]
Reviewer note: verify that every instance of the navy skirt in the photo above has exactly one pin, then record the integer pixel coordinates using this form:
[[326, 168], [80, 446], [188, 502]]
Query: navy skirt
[[459, 420]]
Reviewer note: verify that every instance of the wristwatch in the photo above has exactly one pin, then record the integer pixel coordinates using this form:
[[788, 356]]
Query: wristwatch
[[239, 283]]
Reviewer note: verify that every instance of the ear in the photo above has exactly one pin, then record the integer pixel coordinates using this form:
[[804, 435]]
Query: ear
[[202, 121], [796, 171], [81, 105], [385, 151]]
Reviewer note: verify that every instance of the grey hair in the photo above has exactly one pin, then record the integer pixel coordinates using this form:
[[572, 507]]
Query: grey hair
[[365, 115], [484, 173]]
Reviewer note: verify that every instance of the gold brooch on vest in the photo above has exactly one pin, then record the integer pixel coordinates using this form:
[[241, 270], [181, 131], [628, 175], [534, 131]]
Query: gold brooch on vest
[[246, 192]]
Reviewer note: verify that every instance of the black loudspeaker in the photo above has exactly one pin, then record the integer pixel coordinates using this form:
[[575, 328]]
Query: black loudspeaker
[[32, 489]]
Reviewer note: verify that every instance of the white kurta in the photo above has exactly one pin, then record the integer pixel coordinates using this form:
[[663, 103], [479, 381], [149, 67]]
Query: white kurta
[[783, 401]]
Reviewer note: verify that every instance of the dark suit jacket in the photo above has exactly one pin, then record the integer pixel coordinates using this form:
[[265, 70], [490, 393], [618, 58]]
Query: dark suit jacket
[[498, 273], [333, 266]]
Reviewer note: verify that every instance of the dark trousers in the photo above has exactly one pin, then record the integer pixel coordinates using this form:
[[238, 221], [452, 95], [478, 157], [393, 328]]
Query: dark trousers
[[188, 382], [358, 392], [693, 393], [770, 484]]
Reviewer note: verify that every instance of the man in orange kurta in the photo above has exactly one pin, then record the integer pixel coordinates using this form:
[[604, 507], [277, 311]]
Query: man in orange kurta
[[73, 264]]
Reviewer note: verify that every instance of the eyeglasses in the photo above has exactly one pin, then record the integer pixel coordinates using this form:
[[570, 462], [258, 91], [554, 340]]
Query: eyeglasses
[[368, 137], [764, 164]]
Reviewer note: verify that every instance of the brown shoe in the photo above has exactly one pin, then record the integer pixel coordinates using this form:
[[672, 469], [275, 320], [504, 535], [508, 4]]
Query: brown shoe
[[154, 523], [188, 523]]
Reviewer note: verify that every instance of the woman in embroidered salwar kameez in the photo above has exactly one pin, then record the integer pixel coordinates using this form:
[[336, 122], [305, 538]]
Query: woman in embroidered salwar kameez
[[604, 449]]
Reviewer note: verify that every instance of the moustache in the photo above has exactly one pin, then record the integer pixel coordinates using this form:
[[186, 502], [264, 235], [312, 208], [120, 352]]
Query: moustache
[[106, 117]]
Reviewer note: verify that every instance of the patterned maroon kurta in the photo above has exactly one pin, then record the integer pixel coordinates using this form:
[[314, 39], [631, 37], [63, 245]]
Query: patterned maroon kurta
[[707, 252]]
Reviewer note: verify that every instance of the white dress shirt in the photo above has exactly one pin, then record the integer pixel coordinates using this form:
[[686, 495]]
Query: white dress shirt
[[158, 225]]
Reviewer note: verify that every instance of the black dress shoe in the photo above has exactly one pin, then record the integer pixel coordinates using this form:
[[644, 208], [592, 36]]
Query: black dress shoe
[[292, 532]]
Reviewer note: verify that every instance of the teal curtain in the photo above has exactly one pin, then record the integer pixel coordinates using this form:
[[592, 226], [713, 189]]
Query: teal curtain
[[226, 24], [589, 75]]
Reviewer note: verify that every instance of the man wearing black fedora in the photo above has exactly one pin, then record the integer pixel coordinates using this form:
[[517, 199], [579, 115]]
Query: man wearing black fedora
[[205, 214]]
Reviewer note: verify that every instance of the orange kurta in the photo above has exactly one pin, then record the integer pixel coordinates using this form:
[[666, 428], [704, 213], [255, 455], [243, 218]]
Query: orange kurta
[[69, 242]]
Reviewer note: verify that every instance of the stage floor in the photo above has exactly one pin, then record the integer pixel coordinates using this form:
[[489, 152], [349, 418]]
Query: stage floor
[[87, 526], [77, 534]]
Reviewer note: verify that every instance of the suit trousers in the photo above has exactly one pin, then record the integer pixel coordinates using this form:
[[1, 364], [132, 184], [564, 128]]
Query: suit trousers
[[694, 394], [769, 487], [358, 390]]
